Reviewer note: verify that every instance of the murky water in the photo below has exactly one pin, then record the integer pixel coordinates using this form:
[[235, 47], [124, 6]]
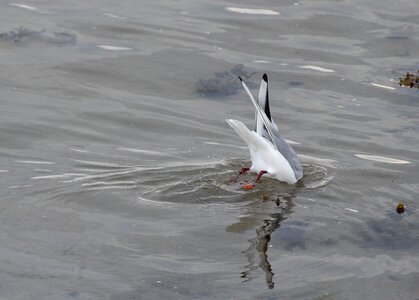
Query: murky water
[[119, 172]]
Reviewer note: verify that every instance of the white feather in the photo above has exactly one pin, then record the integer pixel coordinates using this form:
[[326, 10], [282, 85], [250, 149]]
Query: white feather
[[263, 90], [265, 157]]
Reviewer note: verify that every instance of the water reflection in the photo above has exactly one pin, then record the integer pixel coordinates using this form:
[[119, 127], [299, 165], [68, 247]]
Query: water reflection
[[259, 214], [259, 245]]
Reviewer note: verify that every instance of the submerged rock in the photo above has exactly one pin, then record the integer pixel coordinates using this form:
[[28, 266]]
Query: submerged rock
[[222, 83], [56, 38], [15, 35]]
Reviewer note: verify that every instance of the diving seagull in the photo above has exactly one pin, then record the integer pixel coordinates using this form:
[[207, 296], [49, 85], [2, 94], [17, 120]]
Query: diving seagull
[[270, 153]]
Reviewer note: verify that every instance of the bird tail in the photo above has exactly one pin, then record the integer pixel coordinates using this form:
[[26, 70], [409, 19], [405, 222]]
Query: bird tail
[[247, 136]]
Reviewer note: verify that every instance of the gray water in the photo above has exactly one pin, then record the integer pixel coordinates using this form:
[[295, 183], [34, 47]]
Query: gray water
[[119, 172]]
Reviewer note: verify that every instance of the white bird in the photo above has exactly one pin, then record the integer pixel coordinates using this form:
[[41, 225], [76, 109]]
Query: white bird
[[270, 153]]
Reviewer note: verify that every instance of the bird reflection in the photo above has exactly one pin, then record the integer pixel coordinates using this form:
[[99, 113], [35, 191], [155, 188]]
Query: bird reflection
[[259, 245], [266, 223]]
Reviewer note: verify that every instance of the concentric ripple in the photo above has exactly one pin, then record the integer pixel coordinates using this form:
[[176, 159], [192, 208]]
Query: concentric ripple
[[180, 182]]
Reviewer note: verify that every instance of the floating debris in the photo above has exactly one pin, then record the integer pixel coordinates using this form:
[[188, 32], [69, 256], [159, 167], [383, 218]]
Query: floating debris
[[400, 208], [265, 197], [410, 80], [222, 83]]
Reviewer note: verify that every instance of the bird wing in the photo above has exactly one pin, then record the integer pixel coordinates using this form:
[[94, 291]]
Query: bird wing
[[263, 98], [260, 111], [279, 143]]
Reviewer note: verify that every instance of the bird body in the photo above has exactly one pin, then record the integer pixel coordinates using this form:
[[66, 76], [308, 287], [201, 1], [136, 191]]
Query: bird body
[[269, 152]]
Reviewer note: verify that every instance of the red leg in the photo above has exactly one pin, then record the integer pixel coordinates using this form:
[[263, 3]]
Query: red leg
[[260, 175], [244, 170]]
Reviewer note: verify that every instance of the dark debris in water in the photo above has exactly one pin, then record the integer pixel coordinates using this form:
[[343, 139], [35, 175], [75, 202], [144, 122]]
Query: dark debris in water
[[223, 83], [410, 80], [400, 208], [44, 36]]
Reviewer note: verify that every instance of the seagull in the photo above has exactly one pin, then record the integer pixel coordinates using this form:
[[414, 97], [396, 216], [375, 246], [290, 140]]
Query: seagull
[[270, 153]]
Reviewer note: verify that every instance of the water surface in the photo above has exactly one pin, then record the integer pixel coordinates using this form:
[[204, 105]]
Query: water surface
[[119, 172]]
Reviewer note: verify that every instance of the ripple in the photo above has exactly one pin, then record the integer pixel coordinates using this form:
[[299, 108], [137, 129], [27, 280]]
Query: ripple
[[199, 182], [79, 150], [110, 15], [331, 163], [383, 159], [35, 162], [221, 183], [316, 68], [253, 11], [315, 176], [58, 176], [24, 6], [225, 145], [99, 164], [113, 48], [351, 210], [383, 86], [142, 151]]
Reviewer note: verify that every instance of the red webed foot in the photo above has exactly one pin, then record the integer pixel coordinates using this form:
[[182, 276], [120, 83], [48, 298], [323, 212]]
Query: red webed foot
[[260, 175], [248, 186], [244, 170]]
